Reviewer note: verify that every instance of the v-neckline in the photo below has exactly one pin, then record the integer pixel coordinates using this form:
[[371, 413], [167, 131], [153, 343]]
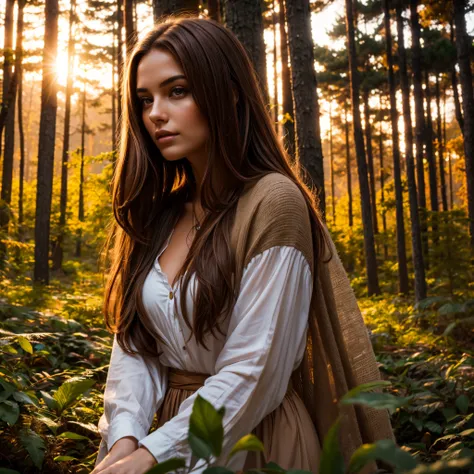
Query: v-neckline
[[165, 276]]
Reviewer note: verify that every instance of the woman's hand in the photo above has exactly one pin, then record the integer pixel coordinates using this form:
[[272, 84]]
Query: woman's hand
[[139, 462], [121, 449]]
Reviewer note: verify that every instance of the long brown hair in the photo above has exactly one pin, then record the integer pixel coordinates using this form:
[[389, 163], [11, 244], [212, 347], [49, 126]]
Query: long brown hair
[[149, 192]]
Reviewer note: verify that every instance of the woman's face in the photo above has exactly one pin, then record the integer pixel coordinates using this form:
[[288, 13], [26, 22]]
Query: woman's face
[[168, 106]]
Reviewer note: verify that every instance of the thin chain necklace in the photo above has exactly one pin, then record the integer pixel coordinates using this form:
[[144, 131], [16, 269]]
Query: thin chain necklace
[[198, 225]]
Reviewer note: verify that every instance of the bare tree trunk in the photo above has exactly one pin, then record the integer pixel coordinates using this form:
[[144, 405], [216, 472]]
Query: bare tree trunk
[[244, 18], [370, 160], [306, 102], [166, 7], [429, 148], [401, 248], [113, 93], [81, 174], [119, 59], [130, 33], [450, 169], [442, 174], [369, 241], [47, 137], [287, 98], [417, 250], [382, 184], [463, 45], [331, 158], [275, 69], [214, 10], [9, 88], [454, 83], [58, 250], [19, 71], [348, 167]]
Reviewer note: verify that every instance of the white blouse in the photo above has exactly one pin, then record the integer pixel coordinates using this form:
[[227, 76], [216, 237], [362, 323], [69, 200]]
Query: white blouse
[[250, 367]]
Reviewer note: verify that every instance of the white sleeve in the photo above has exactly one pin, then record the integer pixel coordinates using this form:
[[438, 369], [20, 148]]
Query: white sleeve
[[134, 390], [266, 337]]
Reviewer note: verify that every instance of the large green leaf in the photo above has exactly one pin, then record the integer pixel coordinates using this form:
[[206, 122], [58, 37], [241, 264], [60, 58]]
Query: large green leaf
[[331, 461], [9, 412], [25, 344], [4, 470], [366, 387], [384, 450], [200, 448], [248, 443], [377, 400], [217, 470], [206, 424], [71, 435], [170, 465], [35, 446], [443, 467], [68, 392], [462, 403]]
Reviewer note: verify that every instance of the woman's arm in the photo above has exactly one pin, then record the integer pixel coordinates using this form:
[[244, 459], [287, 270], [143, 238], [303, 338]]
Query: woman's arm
[[266, 336]]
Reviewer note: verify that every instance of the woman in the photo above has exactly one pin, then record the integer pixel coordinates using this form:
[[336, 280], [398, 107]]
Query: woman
[[222, 281]]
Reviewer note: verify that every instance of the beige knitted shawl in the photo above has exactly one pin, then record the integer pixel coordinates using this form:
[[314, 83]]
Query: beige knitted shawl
[[339, 356]]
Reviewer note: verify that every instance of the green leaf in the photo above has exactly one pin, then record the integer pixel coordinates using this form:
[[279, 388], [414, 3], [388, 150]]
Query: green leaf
[[433, 427], [298, 471], [366, 387], [443, 467], [199, 447], [469, 432], [71, 435], [331, 461], [206, 424], [65, 458], [9, 412], [217, 470], [68, 392], [377, 400], [384, 450], [247, 443], [274, 466], [167, 466], [462, 403], [51, 403], [52, 425], [35, 446], [25, 344], [8, 390], [23, 397], [4, 470]]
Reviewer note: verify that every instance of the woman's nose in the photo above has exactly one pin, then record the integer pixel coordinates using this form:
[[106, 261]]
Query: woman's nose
[[158, 112]]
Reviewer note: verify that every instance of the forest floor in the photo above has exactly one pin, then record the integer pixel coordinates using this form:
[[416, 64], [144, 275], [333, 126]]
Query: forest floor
[[55, 353]]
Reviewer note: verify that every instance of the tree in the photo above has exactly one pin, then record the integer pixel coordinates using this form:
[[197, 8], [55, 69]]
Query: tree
[[369, 241], [81, 172], [166, 7], [400, 226], [305, 96], [46, 143], [463, 45], [417, 252], [130, 33]]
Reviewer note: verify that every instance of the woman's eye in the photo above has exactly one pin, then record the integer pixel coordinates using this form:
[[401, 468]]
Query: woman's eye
[[178, 91], [143, 100]]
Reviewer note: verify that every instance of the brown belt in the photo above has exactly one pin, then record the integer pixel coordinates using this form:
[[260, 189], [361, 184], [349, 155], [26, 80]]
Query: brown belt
[[192, 381]]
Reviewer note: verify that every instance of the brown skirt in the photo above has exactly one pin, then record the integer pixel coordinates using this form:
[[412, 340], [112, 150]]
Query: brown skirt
[[287, 433]]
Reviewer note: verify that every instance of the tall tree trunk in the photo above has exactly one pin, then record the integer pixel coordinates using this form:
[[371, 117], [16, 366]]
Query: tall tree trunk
[[58, 251], [287, 98], [348, 167], [401, 247], [80, 214], [445, 141], [370, 159], [429, 148], [244, 18], [46, 143], [331, 158], [463, 45], [8, 88], [113, 93], [166, 7], [442, 174], [382, 184], [417, 250], [275, 68], [19, 71], [120, 65], [369, 241], [130, 33], [306, 102], [454, 84], [417, 66], [214, 9]]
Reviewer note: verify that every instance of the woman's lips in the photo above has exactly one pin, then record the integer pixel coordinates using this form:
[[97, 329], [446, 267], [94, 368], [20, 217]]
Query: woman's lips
[[166, 139]]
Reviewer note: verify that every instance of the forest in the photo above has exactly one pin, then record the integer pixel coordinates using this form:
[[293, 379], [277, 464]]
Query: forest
[[375, 100]]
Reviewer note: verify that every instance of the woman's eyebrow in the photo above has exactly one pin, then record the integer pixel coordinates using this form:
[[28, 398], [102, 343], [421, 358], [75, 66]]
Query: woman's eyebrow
[[164, 83]]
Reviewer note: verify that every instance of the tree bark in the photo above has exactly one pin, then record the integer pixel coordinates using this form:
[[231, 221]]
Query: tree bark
[[306, 103], [331, 158], [401, 247], [214, 9], [454, 84], [46, 143], [113, 93], [167, 7], [382, 183], [80, 214], [429, 148], [369, 241], [463, 45], [58, 251], [9, 94], [417, 250], [130, 33], [287, 99], [119, 59], [370, 160], [442, 174], [348, 167], [275, 68]]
